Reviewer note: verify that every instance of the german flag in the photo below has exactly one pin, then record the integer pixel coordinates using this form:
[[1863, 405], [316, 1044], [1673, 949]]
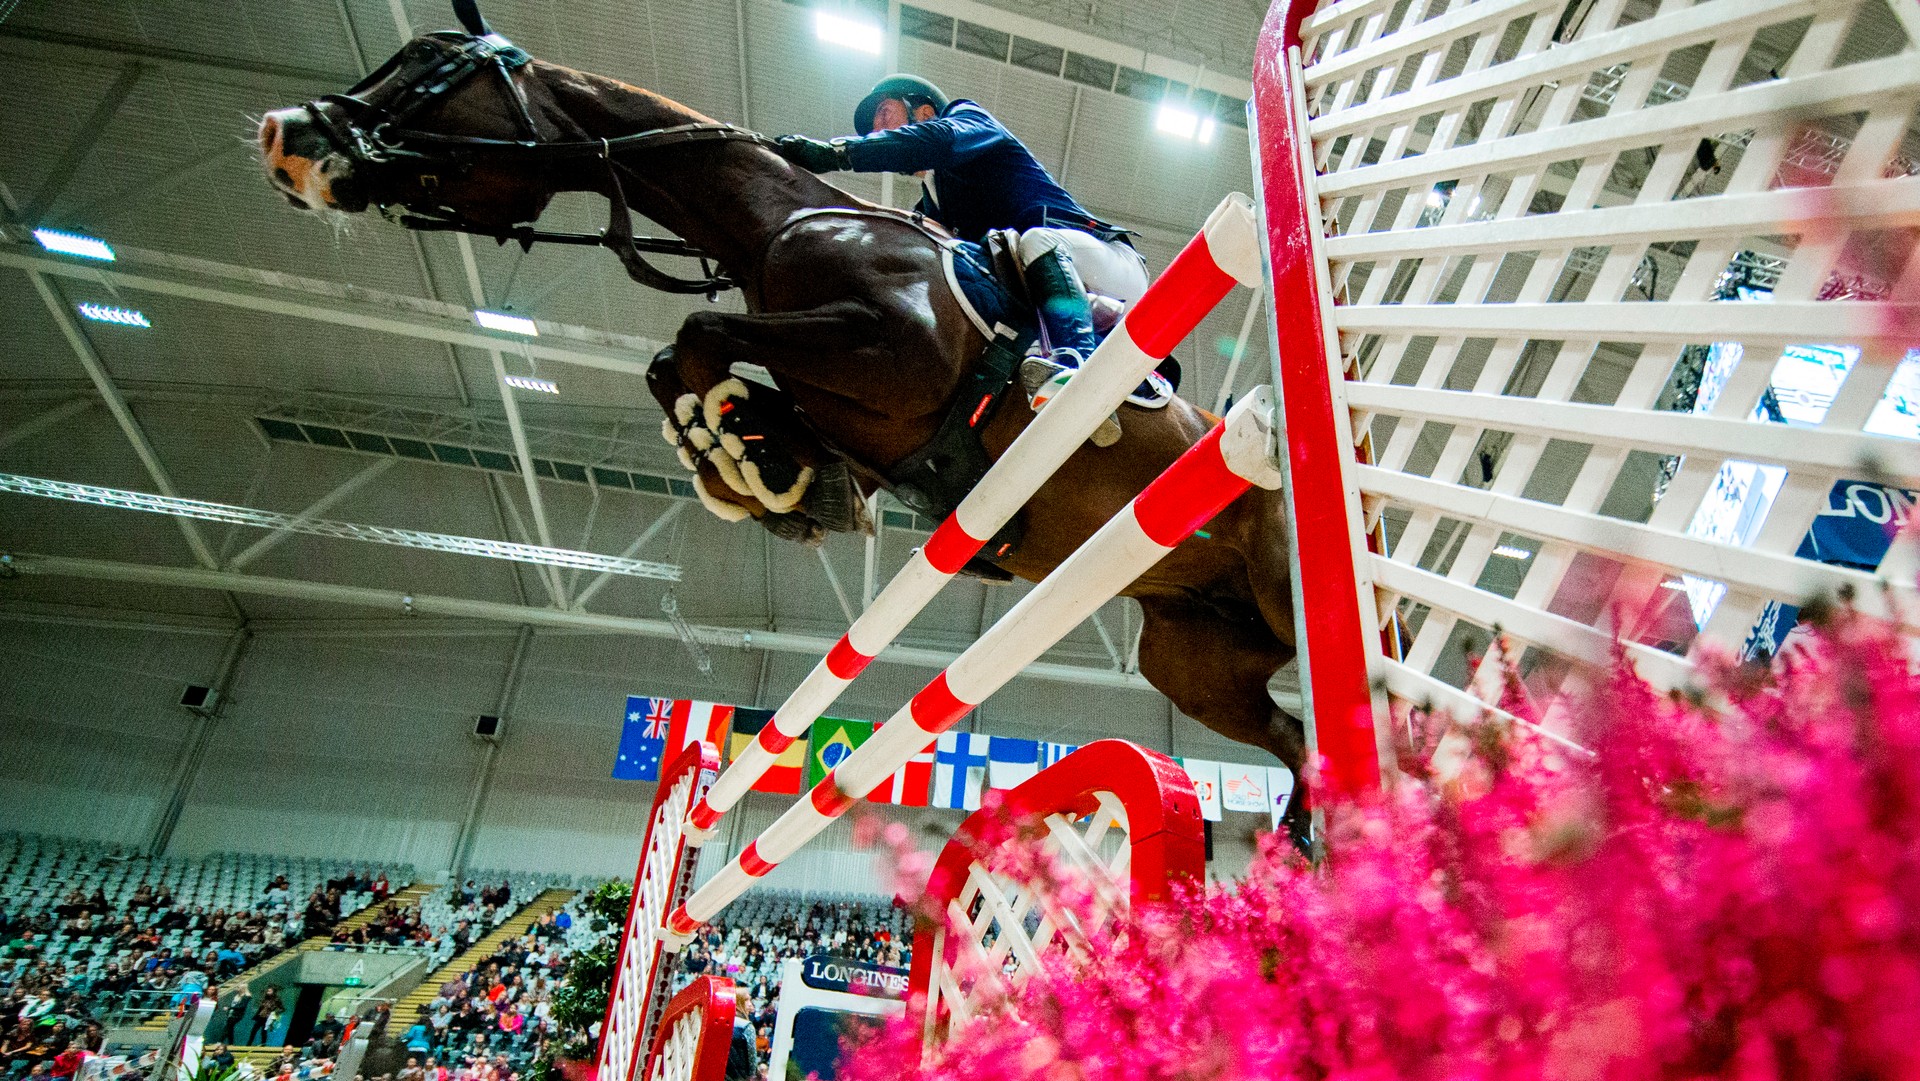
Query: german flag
[[788, 773]]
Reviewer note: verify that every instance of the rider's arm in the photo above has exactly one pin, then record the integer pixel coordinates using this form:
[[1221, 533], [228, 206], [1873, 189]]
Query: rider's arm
[[962, 134]]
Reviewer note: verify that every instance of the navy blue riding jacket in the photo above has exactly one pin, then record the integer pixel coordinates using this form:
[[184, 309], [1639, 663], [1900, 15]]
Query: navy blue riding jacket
[[984, 178]]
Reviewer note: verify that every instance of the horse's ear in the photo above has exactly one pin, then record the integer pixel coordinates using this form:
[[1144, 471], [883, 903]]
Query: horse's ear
[[468, 12]]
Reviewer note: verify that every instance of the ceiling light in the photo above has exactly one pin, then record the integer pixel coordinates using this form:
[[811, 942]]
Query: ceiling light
[[512, 324], [126, 317], [852, 33], [544, 386], [1174, 120], [1510, 552], [74, 244]]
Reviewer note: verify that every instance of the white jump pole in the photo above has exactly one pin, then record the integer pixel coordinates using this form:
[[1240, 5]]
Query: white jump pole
[[1226, 251], [1211, 474]]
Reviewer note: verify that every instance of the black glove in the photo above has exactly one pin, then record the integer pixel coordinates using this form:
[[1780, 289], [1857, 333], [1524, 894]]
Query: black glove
[[813, 155]]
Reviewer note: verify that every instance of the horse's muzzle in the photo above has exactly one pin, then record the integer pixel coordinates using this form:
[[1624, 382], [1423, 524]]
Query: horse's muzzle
[[304, 166]]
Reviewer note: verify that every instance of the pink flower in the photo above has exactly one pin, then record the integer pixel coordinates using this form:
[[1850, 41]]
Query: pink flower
[[1729, 889]]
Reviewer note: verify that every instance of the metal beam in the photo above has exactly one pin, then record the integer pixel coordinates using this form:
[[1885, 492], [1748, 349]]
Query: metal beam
[[396, 601], [341, 491], [97, 371], [194, 752], [195, 64], [85, 138], [483, 784], [1106, 639], [1113, 52], [653, 529], [833, 579], [366, 309], [511, 510], [1255, 305], [40, 422], [176, 507]]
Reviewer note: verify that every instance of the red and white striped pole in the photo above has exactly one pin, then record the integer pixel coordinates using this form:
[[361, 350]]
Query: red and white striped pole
[[1233, 457], [1226, 251]]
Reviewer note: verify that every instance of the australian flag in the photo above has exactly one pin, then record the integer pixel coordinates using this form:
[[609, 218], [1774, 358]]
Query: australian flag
[[643, 739]]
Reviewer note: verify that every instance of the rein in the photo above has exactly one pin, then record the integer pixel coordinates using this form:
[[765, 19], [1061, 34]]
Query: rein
[[373, 138]]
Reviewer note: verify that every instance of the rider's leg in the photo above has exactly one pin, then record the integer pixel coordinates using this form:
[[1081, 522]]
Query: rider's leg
[[1111, 268], [1059, 297]]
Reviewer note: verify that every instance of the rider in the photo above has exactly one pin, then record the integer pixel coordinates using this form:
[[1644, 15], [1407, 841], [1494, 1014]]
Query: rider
[[977, 177]]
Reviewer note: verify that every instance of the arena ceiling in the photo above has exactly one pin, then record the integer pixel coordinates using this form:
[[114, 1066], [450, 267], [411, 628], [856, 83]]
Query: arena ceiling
[[312, 373]]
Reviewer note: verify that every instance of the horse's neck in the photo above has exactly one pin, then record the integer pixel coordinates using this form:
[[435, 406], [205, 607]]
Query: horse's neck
[[726, 198]]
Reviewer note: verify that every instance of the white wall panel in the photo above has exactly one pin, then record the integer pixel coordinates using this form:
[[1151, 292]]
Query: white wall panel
[[92, 727]]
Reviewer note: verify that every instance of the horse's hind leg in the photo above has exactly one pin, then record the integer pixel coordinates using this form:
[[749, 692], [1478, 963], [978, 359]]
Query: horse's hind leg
[[1215, 669]]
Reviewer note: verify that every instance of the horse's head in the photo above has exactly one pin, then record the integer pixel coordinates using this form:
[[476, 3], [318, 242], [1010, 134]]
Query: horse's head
[[417, 133]]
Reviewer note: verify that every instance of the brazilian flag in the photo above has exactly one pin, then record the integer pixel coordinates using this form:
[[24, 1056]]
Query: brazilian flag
[[830, 742]]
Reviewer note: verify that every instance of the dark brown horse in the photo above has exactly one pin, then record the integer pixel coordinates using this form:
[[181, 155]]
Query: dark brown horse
[[847, 307]]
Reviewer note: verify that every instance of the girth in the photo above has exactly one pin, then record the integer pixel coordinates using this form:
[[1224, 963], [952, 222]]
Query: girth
[[934, 479]]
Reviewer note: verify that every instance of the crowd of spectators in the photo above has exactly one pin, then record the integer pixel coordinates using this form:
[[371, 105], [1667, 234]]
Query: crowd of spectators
[[91, 936], [491, 1022], [485, 1025]]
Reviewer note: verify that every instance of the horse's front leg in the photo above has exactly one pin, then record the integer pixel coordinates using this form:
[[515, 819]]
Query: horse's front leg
[[791, 345], [762, 448]]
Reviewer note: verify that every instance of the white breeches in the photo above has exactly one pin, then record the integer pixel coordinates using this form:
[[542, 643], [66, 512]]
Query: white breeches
[[1108, 267]]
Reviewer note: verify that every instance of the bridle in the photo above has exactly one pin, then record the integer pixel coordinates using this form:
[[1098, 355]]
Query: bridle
[[374, 136]]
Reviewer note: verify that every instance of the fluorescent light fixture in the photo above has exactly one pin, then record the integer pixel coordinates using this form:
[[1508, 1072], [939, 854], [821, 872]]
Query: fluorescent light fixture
[[1510, 552], [523, 382], [512, 324], [1173, 120], [105, 313], [74, 244], [1184, 123], [852, 33]]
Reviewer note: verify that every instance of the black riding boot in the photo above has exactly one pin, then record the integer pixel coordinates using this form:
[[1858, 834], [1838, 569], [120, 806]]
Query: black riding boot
[[1060, 300]]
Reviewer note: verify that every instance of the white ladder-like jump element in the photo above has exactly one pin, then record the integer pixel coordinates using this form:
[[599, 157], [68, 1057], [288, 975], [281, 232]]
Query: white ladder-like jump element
[[1611, 299], [637, 1002], [1123, 820], [1226, 251], [1215, 471]]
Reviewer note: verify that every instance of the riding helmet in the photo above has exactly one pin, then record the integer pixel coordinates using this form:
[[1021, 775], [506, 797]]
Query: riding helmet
[[911, 89]]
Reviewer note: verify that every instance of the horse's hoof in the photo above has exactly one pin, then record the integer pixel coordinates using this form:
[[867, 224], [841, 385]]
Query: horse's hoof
[[1107, 434], [798, 528], [833, 500]]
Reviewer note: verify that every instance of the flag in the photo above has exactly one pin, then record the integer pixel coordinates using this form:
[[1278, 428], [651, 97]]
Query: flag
[[829, 744], [1206, 784], [1010, 761], [959, 771], [643, 739], [1280, 785], [909, 784], [787, 772], [1243, 788], [695, 721], [1054, 752]]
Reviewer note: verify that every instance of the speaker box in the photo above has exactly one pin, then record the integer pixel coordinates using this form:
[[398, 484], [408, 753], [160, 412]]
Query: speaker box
[[198, 699], [486, 727]]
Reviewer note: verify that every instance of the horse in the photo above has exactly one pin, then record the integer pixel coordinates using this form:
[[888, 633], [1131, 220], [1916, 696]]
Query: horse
[[847, 308]]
